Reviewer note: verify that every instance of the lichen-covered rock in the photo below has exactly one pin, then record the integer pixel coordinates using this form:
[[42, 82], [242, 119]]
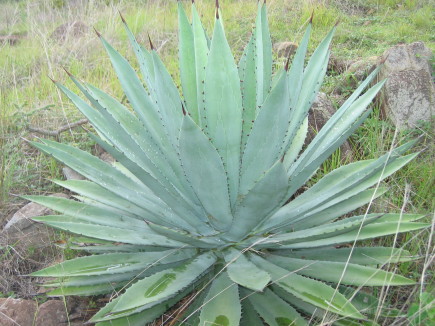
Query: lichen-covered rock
[[70, 174], [360, 69], [285, 49], [70, 29], [15, 312], [409, 93], [23, 312], [52, 313]]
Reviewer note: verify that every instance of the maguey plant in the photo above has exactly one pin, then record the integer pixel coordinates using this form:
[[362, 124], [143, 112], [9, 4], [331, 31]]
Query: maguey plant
[[203, 201]]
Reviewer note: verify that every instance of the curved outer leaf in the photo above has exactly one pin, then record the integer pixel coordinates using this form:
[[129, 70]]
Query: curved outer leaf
[[163, 285], [168, 100], [320, 313], [222, 304], [104, 232], [143, 57], [184, 212], [342, 182], [327, 134], [86, 290], [360, 256], [308, 290], [296, 72], [109, 177], [308, 161], [114, 263], [206, 173], [244, 272], [138, 96], [319, 232], [312, 79], [223, 106], [331, 210], [163, 165], [89, 213], [333, 272], [274, 310], [94, 191], [373, 230], [265, 140]]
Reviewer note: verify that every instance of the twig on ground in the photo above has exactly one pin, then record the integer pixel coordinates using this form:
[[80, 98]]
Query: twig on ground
[[56, 133]]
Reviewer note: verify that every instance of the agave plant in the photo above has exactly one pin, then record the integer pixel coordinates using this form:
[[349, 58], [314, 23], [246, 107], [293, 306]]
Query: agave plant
[[203, 202]]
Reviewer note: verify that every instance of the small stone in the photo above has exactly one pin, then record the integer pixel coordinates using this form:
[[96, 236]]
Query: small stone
[[70, 29], [106, 157], [22, 219], [285, 49], [70, 174], [52, 313]]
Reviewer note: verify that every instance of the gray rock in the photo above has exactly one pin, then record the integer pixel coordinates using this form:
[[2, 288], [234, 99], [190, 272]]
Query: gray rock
[[285, 49], [321, 111], [356, 72], [409, 93], [23, 312], [22, 219], [70, 174], [338, 65], [52, 313], [15, 312], [71, 29]]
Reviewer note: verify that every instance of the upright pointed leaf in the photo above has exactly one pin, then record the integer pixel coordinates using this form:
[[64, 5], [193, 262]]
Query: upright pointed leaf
[[223, 106]]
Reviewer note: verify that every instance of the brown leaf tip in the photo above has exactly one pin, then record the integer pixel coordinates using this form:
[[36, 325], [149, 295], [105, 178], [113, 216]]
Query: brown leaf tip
[[52, 79], [184, 110], [151, 43], [385, 58], [287, 63], [217, 9], [122, 17], [338, 22], [311, 17], [68, 73], [97, 32]]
